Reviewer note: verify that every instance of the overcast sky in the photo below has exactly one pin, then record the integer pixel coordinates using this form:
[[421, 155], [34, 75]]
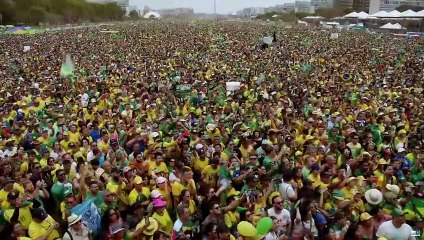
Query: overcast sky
[[206, 6]]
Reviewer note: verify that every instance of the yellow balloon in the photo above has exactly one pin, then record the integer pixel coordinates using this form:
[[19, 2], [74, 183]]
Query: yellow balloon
[[246, 229]]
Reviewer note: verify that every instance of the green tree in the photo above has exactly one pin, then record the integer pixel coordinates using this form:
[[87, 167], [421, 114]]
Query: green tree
[[134, 14]]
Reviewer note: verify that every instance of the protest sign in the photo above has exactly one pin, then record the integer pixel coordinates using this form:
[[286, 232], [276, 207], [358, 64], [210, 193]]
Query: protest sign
[[183, 89], [334, 35], [27, 48], [89, 214]]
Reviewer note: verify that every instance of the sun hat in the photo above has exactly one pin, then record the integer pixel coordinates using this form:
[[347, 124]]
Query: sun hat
[[373, 196], [160, 180], [138, 180], [210, 127], [393, 188], [365, 216], [155, 194], [158, 203], [350, 179], [73, 219], [151, 228]]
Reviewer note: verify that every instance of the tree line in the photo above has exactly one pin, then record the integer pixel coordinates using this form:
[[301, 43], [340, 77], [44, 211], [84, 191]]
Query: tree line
[[34, 12]]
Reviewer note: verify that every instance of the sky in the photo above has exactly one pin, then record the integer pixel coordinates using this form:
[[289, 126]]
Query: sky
[[206, 6]]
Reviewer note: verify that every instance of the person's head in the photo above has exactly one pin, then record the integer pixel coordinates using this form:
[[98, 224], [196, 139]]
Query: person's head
[[398, 217], [74, 222], [8, 185], [158, 157], [366, 219], [215, 209], [277, 203], [139, 157], [39, 215], [388, 170], [29, 187], [187, 174], [185, 196], [94, 188], [67, 165], [275, 224], [355, 139], [340, 219], [71, 201], [60, 175], [183, 213]]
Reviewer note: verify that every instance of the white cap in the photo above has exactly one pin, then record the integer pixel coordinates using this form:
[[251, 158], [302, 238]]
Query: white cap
[[155, 194], [199, 146], [155, 134], [265, 142]]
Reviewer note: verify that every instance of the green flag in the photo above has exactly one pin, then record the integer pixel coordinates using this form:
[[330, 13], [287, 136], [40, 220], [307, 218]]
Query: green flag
[[68, 67], [116, 36]]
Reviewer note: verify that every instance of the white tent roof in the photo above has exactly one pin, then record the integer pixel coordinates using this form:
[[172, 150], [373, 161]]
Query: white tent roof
[[379, 14], [351, 15], [391, 26], [420, 13], [151, 14], [408, 13], [393, 14], [313, 17], [363, 15]]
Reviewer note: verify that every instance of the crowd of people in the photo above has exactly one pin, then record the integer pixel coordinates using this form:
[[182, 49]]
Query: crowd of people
[[323, 140]]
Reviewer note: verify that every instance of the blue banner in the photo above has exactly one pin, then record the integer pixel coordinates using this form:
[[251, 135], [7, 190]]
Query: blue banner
[[89, 215]]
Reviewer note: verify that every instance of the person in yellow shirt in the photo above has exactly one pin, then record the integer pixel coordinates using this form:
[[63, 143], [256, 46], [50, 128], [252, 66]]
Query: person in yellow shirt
[[44, 139], [210, 172], [161, 215], [65, 141], [186, 201], [186, 182], [350, 189], [315, 176], [139, 193], [74, 135], [163, 190], [158, 165], [43, 226], [200, 160]]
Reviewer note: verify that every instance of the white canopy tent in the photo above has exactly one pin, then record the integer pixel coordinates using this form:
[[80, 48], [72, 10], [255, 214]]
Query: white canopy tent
[[151, 14], [379, 14], [351, 15], [362, 15], [395, 26], [393, 14]]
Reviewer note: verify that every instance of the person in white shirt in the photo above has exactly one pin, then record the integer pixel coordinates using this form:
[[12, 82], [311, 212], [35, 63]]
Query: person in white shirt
[[281, 214], [287, 191], [77, 230], [396, 229]]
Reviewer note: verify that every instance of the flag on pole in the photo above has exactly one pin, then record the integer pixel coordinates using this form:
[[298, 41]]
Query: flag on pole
[[89, 215], [68, 67]]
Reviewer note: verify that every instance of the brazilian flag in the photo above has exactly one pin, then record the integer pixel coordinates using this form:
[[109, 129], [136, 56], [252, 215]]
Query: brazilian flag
[[346, 76]]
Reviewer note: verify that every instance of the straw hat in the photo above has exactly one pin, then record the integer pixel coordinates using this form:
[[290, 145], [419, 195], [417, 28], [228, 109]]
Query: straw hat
[[73, 219], [393, 188], [373, 196]]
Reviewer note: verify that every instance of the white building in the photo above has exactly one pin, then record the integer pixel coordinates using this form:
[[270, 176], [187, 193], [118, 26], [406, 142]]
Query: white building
[[304, 6], [390, 5]]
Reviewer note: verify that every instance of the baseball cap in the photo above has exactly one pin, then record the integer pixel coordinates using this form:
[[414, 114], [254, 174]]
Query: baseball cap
[[160, 180], [39, 214], [12, 195]]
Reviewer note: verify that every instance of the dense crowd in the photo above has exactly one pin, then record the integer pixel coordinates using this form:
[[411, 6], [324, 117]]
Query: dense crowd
[[323, 140]]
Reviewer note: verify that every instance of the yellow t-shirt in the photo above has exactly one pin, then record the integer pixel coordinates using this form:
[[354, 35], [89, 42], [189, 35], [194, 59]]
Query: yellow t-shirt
[[177, 188], [103, 146], [210, 175], [37, 230], [24, 219], [199, 165], [165, 222], [75, 137], [162, 167], [230, 219], [134, 195]]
